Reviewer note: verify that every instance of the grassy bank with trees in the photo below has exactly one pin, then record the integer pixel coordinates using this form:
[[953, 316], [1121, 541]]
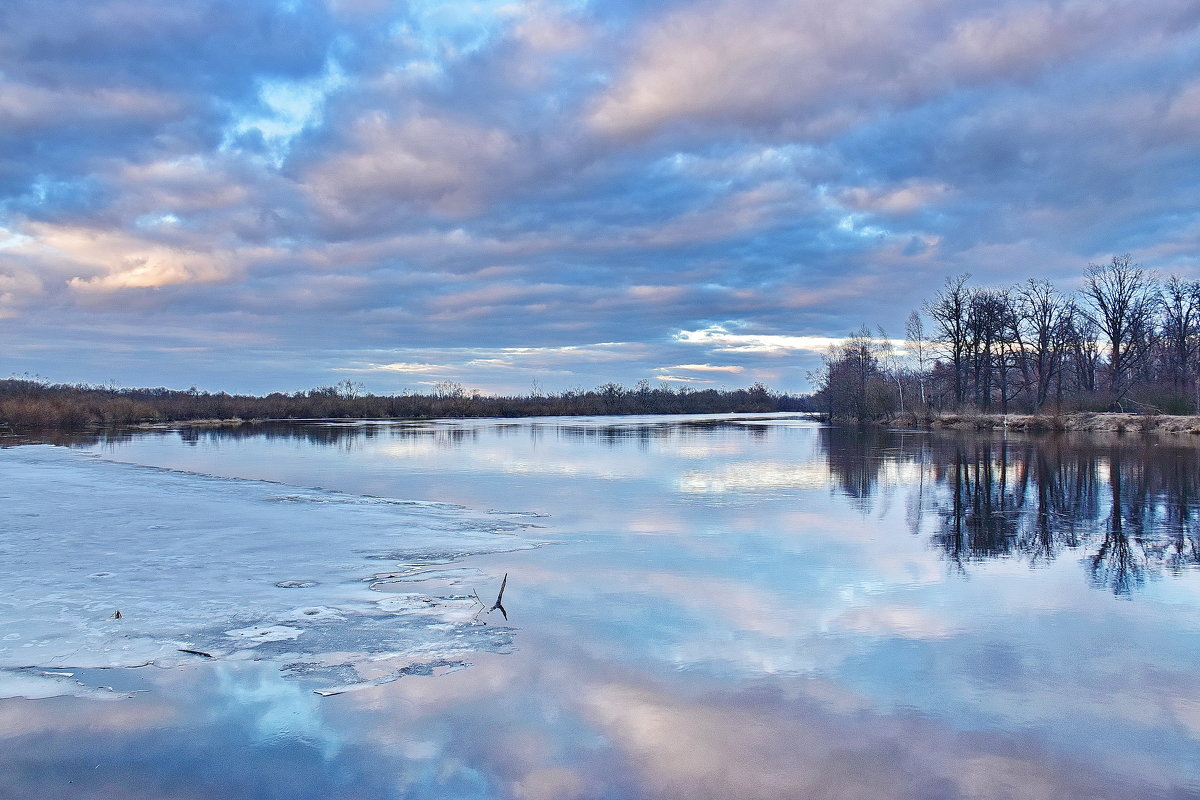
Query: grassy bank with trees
[[1126, 342], [32, 404]]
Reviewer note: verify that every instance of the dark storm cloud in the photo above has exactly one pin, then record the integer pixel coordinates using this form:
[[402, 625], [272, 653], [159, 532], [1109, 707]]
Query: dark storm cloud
[[585, 191]]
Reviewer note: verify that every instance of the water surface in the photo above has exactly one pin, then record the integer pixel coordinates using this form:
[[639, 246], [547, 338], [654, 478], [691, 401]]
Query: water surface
[[731, 608]]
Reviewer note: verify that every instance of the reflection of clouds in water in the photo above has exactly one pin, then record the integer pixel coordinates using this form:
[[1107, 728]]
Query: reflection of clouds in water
[[1186, 711], [274, 708], [917, 646], [553, 783], [503, 729], [704, 449], [549, 448], [794, 737], [25, 718], [744, 606], [790, 746], [499, 457], [749, 476], [907, 622]]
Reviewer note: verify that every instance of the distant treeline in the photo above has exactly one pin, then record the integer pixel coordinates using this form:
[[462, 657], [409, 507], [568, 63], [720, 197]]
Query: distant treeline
[[1126, 341], [32, 404]]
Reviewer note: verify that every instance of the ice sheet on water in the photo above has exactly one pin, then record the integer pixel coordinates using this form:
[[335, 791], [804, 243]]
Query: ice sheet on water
[[200, 566]]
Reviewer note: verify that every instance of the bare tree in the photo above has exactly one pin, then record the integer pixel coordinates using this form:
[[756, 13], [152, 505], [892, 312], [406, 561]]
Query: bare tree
[[1042, 322], [949, 312], [886, 354], [988, 315], [852, 382], [918, 345], [1121, 298], [1180, 303], [1083, 341]]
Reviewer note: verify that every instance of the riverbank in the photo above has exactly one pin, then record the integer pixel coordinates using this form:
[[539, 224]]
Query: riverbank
[[1106, 422]]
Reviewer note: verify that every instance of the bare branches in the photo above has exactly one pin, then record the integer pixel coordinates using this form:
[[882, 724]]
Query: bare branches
[[1120, 299], [500, 598], [1125, 338], [498, 605]]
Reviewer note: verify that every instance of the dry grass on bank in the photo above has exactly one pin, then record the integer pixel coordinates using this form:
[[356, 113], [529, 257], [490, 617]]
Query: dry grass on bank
[[1107, 422]]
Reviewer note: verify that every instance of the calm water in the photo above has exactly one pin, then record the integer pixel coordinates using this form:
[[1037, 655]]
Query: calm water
[[729, 609]]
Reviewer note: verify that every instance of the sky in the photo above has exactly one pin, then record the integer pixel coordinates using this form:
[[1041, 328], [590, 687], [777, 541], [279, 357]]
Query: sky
[[274, 195]]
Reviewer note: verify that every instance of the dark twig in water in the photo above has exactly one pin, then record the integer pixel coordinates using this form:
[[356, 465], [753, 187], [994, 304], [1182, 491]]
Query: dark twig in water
[[196, 652], [499, 604], [499, 598]]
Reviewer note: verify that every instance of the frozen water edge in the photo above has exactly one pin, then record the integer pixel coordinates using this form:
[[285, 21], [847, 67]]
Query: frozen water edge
[[202, 567]]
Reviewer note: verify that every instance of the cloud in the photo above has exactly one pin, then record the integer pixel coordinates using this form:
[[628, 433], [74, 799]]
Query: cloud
[[350, 176], [400, 366], [733, 369], [907, 198], [679, 379], [103, 260], [821, 69], [719, 339], [440, 164]]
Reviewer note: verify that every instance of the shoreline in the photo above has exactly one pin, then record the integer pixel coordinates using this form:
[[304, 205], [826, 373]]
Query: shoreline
[[1075, 421]]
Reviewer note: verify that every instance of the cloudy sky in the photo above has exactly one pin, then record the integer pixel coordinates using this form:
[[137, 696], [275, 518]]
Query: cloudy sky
[[259, 195]]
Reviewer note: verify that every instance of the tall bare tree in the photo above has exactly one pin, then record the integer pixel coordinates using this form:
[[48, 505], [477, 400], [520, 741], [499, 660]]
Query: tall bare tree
[[918, 346], [1181, 330], [1041, 327], [1083, 343], [949, 312], [1120, 299], [988, 321]]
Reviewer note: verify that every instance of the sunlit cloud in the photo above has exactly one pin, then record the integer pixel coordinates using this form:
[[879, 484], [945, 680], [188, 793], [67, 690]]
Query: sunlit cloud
[[732, 369], [720, 339], [904, 199], [104, 260], [420, 369], [680, 379]]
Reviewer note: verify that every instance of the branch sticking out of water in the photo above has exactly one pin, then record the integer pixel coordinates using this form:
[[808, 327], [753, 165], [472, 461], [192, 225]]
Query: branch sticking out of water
[[499, 604], [499, 598]]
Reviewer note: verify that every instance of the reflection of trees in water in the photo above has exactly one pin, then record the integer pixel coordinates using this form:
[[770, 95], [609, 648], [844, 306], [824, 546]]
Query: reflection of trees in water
[[344, 436], [643, 433], [352, 435], [1129, 504], [858, 458]]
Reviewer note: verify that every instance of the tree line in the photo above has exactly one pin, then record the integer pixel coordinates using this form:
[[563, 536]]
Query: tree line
[[33, 404], [1125, 341]]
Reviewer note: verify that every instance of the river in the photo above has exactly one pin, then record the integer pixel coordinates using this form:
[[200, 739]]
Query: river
[[695, 607]]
